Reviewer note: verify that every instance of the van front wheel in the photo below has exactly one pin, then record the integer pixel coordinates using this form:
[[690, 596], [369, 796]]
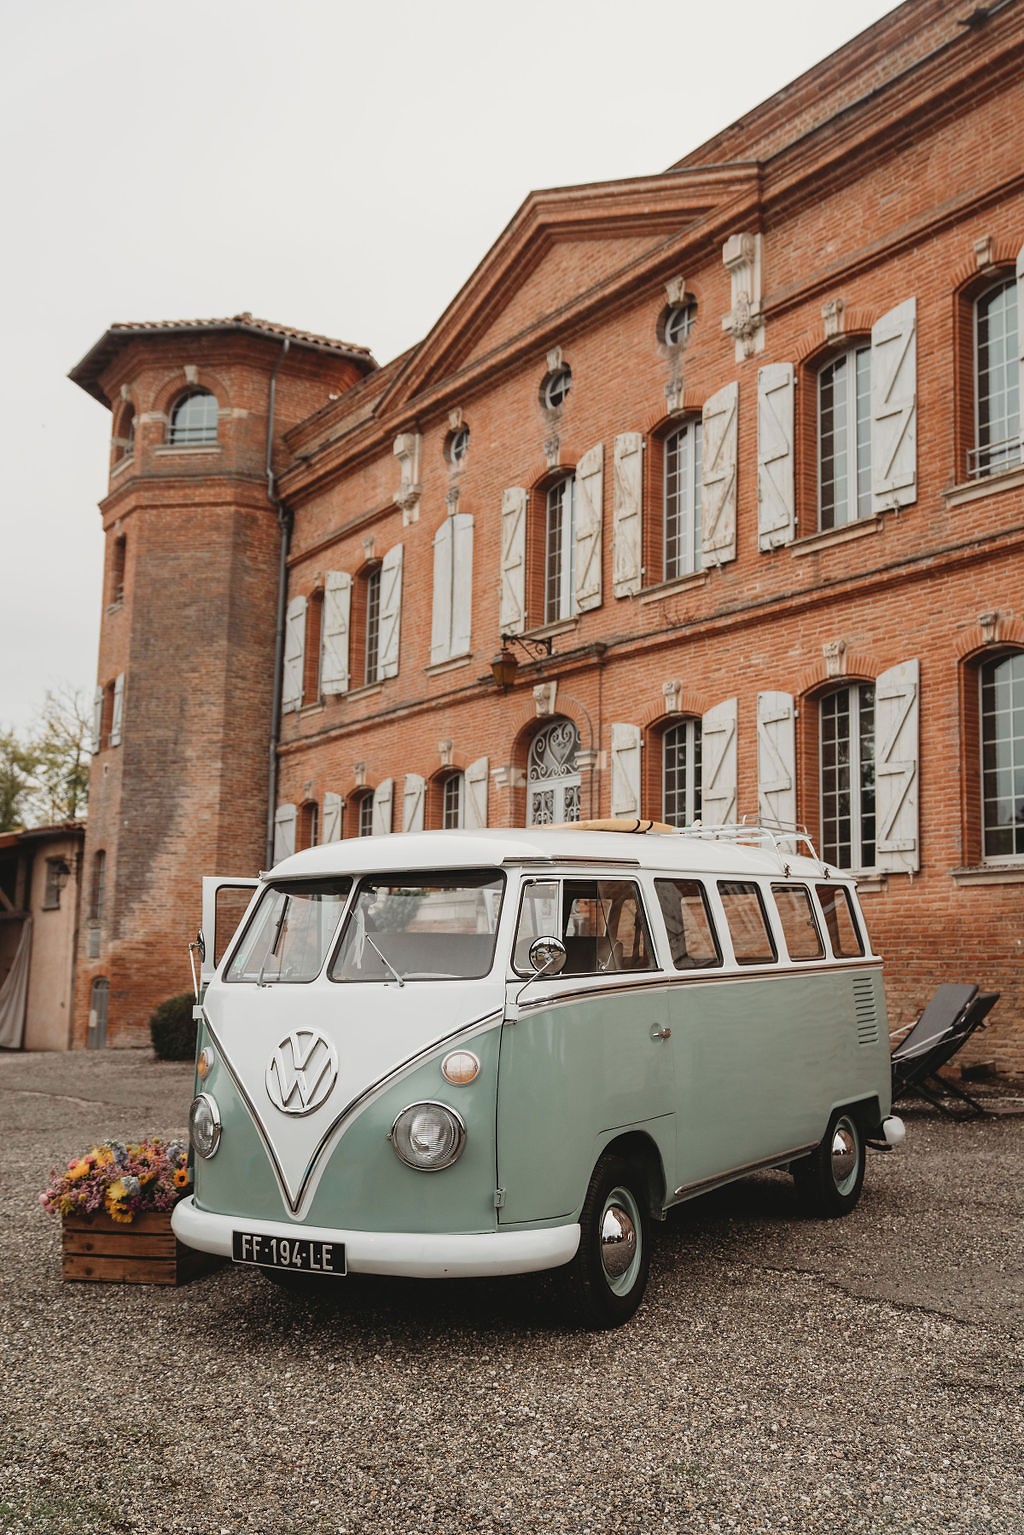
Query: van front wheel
[[607, 1278], [829, 1181]]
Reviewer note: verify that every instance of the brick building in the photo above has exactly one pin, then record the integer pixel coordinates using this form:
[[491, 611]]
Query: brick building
[[723, 465]]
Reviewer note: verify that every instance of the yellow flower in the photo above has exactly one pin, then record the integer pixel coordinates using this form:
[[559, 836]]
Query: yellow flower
[[79, 1169], [181, 1178], [115, 1203]]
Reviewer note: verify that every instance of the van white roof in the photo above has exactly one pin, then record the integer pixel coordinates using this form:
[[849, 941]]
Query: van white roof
[[670, 852]]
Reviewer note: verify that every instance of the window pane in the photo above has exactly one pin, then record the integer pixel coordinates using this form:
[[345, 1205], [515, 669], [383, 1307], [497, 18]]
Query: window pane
[[748, 926], [681, 773], [373, 626], [682, 489], [691, 933], [289, 933], [601, 923], [998, 380], [1002, 757], [847, 777], [194, 420], [839, 919], [803, 941], [844, 439], [422, 927]]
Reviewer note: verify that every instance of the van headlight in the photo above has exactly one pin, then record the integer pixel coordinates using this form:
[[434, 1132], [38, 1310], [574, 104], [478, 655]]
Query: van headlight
[[204, 1125], [428, 1136]]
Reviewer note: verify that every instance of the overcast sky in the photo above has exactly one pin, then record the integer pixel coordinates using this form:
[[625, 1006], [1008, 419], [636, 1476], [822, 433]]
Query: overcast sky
[[337, 166]]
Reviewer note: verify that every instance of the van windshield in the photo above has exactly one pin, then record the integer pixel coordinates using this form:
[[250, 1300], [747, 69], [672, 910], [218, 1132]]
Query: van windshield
[[290, 932], [421, 927]]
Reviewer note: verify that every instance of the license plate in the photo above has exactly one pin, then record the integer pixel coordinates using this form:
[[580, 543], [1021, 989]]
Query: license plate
[[298, 1255]]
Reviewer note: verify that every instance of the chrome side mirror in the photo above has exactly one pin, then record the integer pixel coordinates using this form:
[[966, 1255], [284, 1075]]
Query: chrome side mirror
[[547, 956], [201, 946]]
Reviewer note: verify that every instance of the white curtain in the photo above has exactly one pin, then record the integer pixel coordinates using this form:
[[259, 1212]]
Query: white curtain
[[14, 993]]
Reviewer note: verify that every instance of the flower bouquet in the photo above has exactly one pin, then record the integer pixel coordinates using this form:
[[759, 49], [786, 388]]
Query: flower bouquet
[[115, 1205], [122, 1180]]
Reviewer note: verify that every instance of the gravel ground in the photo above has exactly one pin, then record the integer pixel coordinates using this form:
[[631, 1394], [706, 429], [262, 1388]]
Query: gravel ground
[[783, 1374]]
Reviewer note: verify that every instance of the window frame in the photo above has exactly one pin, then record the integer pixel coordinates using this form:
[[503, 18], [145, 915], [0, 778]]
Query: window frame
[[855, 764], [986, 744], [560, 549], [202, 434], [856, 502], [1007, 449], [681, 504], [691, 726]]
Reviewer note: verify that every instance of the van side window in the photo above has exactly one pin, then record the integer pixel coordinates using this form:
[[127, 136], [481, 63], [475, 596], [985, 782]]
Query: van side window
[[691, 933], [601, 922], [839, 919], [798, 925], [748, 926]]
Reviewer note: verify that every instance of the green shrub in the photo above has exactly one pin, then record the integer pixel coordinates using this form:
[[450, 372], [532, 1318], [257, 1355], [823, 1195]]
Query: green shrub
[[173, 1029]]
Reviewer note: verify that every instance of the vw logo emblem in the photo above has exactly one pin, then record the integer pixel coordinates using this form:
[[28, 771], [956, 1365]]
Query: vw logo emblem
[[302, 1072]]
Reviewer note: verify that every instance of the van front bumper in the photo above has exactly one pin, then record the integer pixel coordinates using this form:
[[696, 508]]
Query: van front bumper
[[414, 1254]]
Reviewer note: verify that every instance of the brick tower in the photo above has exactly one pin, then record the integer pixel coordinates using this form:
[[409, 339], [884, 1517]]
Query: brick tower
[[195, 557]]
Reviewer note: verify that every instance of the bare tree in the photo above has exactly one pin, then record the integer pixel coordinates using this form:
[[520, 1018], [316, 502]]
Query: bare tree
[[60, 747]]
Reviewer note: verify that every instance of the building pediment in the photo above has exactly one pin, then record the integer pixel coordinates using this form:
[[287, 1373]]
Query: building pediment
[[564, 251]]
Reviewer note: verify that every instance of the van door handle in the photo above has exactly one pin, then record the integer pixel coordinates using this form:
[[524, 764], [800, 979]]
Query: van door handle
[[657, 1033]]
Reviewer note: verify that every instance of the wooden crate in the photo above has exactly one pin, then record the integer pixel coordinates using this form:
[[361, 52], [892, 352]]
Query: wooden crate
[[144, 1252]]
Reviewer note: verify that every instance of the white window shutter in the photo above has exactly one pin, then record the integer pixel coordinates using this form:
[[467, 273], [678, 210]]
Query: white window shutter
[[331, 826], [776, 758], [284, 831], [896, 767], [337, 618], [97, 719], [1020, 333], [894, 407], [776, 505], [451, 624], [413, 796], [117, 717], [627, 513], [390, 610], [441, 612], [294, 655], [718, 466], [462, 584], [626, 751], [512, 609], [474, 811], [718, 765], [383, 797], [589, 516]]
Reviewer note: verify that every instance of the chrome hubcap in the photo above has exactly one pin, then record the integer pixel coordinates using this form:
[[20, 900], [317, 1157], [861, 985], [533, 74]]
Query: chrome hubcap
[[618, 1241], [844, 1153]]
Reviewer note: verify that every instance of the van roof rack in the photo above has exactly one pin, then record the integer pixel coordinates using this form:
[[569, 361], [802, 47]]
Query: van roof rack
[[780, 837]]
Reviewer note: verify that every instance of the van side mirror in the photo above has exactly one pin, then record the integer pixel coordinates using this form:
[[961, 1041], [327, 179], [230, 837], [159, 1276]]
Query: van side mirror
[[547, 956]]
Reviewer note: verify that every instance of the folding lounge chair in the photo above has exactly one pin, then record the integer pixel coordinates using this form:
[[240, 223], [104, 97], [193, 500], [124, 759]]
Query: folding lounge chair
[[944, 1027]]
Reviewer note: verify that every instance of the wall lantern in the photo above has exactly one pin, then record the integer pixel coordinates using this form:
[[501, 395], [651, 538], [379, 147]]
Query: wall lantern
[[505, 666]]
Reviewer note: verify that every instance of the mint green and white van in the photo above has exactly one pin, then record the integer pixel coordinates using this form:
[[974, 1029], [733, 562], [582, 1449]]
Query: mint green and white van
[[448, 1054]]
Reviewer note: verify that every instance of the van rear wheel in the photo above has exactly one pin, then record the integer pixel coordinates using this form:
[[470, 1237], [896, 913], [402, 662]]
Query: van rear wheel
[[829, 1181], [606, 1280]]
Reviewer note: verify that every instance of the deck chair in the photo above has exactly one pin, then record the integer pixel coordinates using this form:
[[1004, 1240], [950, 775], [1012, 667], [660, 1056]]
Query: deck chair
[[944, 1027]]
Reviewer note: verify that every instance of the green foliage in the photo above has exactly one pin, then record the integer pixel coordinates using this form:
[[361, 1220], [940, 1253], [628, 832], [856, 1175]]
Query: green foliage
[[44, 777], [17, 765], [173, 1029]]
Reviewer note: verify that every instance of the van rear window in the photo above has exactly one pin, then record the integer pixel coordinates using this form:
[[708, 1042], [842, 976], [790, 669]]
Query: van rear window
[[839, 919], [421, 927], [799, 927]]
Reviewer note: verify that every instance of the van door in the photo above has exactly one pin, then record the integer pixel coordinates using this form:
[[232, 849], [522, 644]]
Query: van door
[[585, 1055], [225, 902]]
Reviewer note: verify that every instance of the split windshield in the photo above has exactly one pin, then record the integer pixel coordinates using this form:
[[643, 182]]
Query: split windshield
[[422, 927], [290, 932]]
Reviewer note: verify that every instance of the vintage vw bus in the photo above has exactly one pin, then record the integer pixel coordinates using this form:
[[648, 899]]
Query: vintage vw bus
[[466, 1053]]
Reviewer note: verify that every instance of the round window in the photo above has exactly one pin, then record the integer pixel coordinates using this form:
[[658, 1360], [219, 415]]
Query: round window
[[457, 445], [555, 387], [678, 323]]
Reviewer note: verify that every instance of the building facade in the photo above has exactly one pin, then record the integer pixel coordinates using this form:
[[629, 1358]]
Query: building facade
[[704, 499]]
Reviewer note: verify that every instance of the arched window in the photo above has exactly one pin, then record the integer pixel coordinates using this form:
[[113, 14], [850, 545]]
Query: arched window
[[194, 420], [364, 814], [681, 773], [846, 735], [997, 380], [553, 779], [371, 600], [1002, 757], [844, 438], [97, 886], [681, 501], [453, 794], [309, 825], [559, 535]]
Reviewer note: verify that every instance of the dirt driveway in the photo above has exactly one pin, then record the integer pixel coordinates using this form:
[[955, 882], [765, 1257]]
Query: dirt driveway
[[782, 1375]]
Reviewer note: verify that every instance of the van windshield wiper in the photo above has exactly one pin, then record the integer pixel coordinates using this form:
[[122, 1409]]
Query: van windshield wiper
[[384, 959], [278, 930]]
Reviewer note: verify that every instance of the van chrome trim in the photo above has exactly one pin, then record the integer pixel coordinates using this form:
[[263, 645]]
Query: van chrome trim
[[625, 981], [492, 1019], [706, 1184]]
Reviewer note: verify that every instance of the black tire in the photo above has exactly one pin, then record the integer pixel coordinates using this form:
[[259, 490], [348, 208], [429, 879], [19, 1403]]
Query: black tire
[[830, 1180], [605, 1282]]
